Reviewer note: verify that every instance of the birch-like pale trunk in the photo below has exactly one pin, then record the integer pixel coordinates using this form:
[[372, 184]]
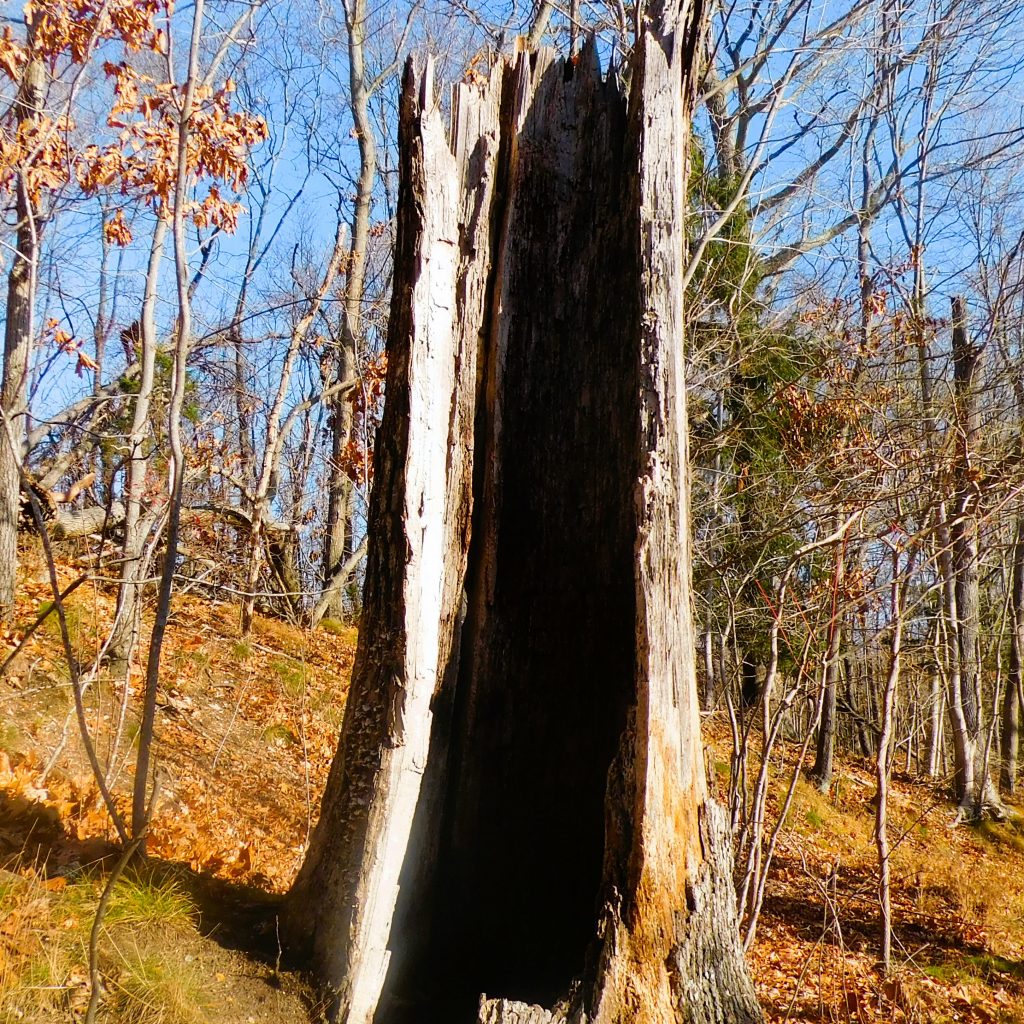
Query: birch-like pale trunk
[[179, 377], [138, 522], [278, 427], [936, 702], [338, 545], [884, 762], [975, 792]]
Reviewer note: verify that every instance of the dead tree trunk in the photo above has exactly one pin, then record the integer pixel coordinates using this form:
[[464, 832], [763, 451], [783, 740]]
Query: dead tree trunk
[[518, 806]]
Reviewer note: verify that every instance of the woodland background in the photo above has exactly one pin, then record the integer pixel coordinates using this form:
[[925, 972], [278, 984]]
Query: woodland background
[[197, 248]]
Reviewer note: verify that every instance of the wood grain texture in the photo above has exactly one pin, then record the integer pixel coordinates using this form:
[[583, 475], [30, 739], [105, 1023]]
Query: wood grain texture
[[518, 805]]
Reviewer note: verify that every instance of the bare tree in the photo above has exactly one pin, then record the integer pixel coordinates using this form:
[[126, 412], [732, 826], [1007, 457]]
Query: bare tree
[[339, 543], [19, 335]]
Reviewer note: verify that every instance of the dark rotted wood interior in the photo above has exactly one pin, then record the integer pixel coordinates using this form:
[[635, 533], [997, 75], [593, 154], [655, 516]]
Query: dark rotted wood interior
[[501, 888]]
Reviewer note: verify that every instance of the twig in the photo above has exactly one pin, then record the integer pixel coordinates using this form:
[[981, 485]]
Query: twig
[[69, 653], [97, 926], [67, 592], [101, 908]]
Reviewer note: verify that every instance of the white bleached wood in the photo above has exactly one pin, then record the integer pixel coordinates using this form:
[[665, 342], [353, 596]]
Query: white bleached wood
[[431, 376], [527, 651]]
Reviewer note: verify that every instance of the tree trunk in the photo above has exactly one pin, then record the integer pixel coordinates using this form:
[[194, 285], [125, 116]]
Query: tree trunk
[[710, 692], [935, 705], [518, 806], [1010, 739], [142, 803], [749, 690], [826, 740], [18, 335], [862, 727], [339, 542], [974, 790], [138, 521], [884, 764], [825, 749], [338, 538]]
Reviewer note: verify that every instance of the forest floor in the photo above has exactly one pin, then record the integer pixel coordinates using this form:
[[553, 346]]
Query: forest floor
[[246, 732], [957, 901]]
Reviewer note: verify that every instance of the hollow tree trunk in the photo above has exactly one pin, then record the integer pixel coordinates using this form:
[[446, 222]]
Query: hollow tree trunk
[[518, 806]]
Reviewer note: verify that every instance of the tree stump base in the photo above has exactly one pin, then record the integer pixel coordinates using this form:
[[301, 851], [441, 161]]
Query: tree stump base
[[519, 805]]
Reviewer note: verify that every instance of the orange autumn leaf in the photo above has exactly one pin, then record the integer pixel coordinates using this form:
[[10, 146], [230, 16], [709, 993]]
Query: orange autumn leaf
[[141, 161], [116, 230]]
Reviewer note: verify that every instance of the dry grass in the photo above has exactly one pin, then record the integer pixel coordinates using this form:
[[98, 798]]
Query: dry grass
[[245, 734], [145, 986], [248, 729], [44, 942]]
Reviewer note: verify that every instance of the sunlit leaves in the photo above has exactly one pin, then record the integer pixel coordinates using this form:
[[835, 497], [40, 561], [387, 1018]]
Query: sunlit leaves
[[70, 346], [73, 28], [148, 119], [116, 230], [36, 153], [144, 160], [367, 402]]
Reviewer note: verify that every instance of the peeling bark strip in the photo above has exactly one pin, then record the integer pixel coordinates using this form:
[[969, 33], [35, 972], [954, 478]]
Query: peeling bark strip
[[518, 804]]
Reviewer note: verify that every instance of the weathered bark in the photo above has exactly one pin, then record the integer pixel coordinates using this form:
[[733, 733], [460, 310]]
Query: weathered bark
[[69, 523], [18, 336], [60, 521], [519, 806]]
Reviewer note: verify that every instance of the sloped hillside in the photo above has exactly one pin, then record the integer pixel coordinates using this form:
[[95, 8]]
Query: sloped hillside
[[246, 733]]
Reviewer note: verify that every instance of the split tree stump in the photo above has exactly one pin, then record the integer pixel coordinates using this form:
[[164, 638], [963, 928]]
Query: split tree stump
[[516, 827]]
